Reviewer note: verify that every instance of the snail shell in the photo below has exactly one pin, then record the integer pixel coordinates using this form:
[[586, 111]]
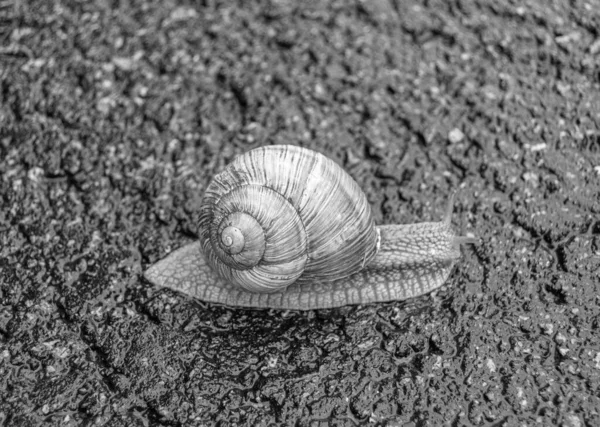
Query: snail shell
[[286, 227], [284, 214]]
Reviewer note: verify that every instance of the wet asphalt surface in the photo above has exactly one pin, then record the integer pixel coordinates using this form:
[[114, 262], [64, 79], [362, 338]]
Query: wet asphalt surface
[[113, 118]]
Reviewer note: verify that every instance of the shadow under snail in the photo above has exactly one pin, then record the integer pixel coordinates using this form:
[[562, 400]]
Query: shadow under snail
[[285, 227]]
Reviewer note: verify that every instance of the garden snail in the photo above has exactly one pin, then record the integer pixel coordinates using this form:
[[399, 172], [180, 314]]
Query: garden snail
[[286, 227]]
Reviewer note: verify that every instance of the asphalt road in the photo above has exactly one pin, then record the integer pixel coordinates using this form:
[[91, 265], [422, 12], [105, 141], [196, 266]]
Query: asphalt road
[[114, 116]]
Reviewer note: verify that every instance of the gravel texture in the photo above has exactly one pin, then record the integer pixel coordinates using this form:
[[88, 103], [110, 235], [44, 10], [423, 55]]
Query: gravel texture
[[114, 116]]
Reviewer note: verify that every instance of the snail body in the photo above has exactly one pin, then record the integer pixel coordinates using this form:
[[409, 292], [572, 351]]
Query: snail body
[[286, 227]]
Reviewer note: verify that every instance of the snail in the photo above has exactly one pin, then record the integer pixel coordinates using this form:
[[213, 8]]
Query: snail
[[285, 227]]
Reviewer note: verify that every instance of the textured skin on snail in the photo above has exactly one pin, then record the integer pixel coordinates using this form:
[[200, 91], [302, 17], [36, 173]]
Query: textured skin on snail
[[382, 263]]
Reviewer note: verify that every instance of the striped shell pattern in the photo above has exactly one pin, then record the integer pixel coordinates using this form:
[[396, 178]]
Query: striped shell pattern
[[283, 214]]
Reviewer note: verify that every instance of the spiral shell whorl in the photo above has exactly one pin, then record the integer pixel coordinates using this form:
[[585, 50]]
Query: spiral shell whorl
[[240, 239], [259, 222]]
